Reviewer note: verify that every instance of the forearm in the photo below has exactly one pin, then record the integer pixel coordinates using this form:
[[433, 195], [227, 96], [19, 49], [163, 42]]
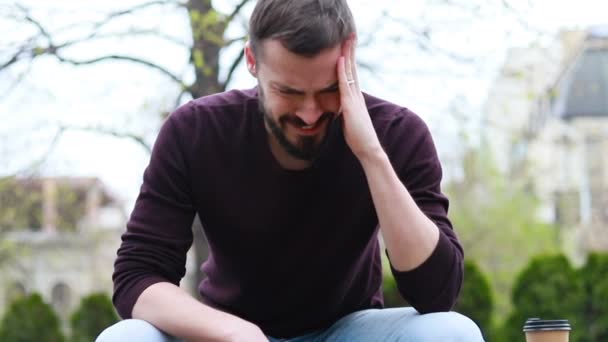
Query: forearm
[[409, 235], [174, 311]]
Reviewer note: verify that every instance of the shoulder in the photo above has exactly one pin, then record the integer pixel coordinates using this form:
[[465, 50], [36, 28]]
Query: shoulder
[[214, 118], [225, 102], [392, 120], [217, 111], [404, 135], [235, 97]]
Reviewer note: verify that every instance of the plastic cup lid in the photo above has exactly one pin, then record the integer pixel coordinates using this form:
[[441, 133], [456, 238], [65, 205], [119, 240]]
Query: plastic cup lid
[[537, 324]]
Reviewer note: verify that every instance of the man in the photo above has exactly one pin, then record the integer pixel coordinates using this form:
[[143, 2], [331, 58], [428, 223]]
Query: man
[[292, 181]]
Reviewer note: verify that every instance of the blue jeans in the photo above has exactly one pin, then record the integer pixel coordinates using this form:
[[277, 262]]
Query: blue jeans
[[395, 324]]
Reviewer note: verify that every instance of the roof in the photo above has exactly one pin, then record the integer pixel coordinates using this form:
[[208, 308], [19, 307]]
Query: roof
[[584, 89]]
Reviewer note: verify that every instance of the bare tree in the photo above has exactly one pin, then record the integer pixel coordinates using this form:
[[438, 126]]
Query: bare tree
[[208, 39], [208, 36]]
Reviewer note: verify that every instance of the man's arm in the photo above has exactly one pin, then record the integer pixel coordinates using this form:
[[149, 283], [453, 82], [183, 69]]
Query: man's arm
[[425, 256], [409, 235], [151, 259], [174, 311]]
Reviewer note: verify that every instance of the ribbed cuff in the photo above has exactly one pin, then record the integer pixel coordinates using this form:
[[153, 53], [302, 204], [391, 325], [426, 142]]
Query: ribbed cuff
[[434, 285], [125, 301]]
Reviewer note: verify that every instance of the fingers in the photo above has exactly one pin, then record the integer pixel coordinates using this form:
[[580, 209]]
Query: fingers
[[342, 84], [343, 79], [348, 59], [347, 70], [353, 61], [348, 52]]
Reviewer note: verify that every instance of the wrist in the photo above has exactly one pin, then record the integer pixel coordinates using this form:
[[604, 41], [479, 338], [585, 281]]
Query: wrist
[[231, 329], [243, 330], [372, 155]]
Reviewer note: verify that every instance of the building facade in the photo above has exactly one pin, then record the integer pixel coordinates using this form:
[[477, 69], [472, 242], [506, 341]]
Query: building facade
[[63, 240], [547, 119], [59, 238]]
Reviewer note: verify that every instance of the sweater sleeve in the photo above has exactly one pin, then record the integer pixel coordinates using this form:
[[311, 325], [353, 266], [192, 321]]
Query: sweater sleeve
[[435, 284], [158, 234]]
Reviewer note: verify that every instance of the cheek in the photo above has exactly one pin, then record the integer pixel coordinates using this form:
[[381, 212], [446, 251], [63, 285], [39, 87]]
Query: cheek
[[272, 104], [279, 106]]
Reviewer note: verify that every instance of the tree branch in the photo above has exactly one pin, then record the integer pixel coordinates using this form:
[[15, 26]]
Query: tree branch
[[53, 50], [25, 47], [236, 11], [120, 58], [104, 131], [525, 24], [12, 60], [116, 14], [96, 26], [233, 67], [17, 81], [36, 164], [36, 23], [97, 35], [178, 100], [425, 43], [32, 168], [234, 40]]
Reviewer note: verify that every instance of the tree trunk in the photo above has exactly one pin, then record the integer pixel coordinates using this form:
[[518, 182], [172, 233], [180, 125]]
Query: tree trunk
[[201, 252], [208, 28]]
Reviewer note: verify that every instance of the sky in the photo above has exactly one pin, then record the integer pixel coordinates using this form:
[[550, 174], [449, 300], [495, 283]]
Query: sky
[[468, 48]]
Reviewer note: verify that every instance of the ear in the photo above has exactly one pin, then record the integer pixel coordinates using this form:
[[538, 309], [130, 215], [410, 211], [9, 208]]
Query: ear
[[250, 59]]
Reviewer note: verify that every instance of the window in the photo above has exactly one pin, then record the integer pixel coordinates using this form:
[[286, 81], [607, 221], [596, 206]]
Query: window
[[14, 291], [567, 208], [61, 299]]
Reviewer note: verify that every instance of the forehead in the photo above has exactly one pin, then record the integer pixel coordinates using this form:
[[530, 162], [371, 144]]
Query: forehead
[[277, 64]]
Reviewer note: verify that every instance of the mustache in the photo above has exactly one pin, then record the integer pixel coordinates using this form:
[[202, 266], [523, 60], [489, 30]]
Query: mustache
[[295, 120]]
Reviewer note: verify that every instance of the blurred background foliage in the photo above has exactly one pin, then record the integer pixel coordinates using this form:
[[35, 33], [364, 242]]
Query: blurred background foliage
[[496, 219], [548, 287], [29, 318], [94, 314], [515, 264]]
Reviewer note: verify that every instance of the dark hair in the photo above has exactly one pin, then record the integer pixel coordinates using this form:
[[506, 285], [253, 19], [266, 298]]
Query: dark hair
[[304, 27]]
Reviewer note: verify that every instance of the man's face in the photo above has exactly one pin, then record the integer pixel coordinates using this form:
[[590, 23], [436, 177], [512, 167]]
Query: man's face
[[299, 96]]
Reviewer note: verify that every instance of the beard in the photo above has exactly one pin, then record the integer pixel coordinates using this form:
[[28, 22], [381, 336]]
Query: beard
[[305, 148]]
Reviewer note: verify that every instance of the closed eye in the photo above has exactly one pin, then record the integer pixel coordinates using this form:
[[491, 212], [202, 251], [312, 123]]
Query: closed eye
[[331, 89], [287, 91]]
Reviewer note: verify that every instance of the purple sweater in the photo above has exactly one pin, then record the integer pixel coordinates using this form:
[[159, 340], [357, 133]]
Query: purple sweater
[[291, 251]]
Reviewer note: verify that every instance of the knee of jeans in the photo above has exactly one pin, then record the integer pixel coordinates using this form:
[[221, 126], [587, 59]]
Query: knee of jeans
[[447, 327], [464, 328], [132, 330]]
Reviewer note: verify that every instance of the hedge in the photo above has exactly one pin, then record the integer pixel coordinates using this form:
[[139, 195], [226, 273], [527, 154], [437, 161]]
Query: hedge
[[392, 297], [29, 319], [548, 288], [476, 299], [595, 279], [94, 314]]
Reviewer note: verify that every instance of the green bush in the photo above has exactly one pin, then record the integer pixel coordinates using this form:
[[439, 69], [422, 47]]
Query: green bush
[[476, 299], [94, 314], [548, 288], [392, 297], [595, 280], [30, 319]]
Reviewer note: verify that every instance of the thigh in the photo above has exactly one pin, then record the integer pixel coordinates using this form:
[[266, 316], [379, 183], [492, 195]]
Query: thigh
[[402, 324], [134, 330]]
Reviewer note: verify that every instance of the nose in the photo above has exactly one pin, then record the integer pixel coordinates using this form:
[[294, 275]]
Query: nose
[[310, 111]]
